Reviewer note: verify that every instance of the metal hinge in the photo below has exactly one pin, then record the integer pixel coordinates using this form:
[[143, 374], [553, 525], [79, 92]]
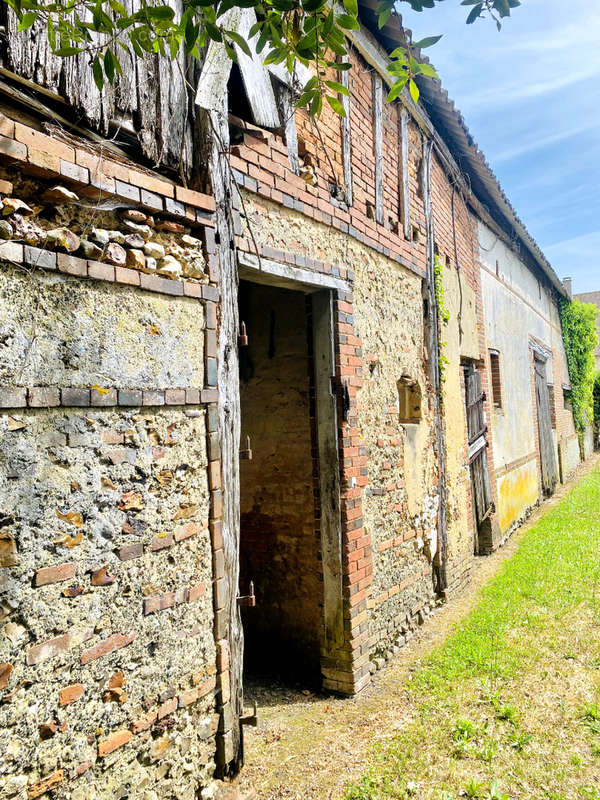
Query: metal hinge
[[247, 599], [243, 337]]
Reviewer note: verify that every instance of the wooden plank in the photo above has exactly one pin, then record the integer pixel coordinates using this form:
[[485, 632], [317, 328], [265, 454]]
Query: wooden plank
[[346, 134], [404, 187], [378, 146], [257, 80], [217, 67], [288, 117], [329, 470]]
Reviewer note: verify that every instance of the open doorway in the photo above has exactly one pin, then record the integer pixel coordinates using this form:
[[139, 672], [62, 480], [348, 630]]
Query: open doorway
[[280, 550]]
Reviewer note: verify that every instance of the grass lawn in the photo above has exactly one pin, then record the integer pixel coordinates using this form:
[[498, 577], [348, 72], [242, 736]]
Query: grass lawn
[[509, 706]]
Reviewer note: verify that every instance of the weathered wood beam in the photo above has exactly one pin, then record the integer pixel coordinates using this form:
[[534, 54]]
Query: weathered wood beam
[[276, 273], [257, 80], [329, 470], [346, 134], [404, 188], [378, 146]]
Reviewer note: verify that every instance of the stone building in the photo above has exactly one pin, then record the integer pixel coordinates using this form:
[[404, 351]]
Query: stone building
[[257, 413]]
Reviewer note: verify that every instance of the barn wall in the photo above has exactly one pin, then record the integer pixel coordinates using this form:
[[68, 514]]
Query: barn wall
[[108, 660], [518, 309]]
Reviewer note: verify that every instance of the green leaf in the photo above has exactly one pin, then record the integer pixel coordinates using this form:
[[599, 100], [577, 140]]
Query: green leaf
[[316, 105], [414, 91], [336, 105], [230, 51], [428, 41], [160, 13], [109, 65], [348, 22], [97, 72], [351, 7], [428, 70], [51, 33], [27, 20], [396, 90], [337, 87], [118, 8], [67, 51], [383, 18], [213, 31], [240, 41], [475, 13]]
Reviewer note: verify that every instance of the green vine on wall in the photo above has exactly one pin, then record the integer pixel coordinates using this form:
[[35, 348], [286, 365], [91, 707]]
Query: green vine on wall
[[597, 407], [578, 322], [442, 310]]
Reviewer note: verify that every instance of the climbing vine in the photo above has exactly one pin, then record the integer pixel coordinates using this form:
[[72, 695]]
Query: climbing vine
[[442, 310], [597, 407], [578, 321]]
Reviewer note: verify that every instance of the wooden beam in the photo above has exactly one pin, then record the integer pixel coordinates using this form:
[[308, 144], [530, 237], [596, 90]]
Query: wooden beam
[[378, 146], [404, 188], [257, 80], [275, 273], [288, 116], [329, 471], [212, 85], [346, 134]]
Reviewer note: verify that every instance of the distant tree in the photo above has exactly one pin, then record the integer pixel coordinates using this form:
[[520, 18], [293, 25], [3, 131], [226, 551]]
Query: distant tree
[[308, 31]]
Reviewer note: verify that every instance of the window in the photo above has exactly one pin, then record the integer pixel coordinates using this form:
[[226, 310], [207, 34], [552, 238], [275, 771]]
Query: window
[[495, 378], [409, 400]]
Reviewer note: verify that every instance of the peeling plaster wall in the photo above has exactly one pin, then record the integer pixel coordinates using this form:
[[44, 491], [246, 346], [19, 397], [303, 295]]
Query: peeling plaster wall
[[59, 331], [517, 309]]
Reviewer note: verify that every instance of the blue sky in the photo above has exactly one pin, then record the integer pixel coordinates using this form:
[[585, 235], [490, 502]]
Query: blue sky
[[531, 98]]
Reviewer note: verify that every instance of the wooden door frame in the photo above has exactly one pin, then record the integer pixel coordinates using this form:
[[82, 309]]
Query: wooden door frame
[[321, 288], [541, 356]]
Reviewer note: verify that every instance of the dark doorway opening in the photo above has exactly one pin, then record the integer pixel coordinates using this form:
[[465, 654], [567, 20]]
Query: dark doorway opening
[[279, 536]]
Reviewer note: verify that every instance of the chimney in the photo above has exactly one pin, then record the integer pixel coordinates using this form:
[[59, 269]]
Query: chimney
[[568, 284]]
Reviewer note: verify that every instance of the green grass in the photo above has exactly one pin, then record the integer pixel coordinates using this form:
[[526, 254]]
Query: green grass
[[509, 707]]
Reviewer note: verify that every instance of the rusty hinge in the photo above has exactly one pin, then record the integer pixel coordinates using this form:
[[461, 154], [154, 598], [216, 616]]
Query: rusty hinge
[[243, 337], [250, 719], [247, 452], [247, 599]]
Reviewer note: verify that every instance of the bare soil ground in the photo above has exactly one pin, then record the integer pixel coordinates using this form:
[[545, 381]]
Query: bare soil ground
[[309, 746]]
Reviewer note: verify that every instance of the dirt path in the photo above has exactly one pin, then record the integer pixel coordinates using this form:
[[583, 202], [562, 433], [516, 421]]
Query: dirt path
[[307, 747]]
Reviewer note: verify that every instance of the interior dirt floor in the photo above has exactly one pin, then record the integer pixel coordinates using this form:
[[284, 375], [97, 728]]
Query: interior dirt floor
[[309, 746]]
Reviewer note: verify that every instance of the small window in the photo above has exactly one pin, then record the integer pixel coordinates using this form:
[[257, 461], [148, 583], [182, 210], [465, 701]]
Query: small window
[[495, 378], [552, 405], [567, 404], [409, 400]]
